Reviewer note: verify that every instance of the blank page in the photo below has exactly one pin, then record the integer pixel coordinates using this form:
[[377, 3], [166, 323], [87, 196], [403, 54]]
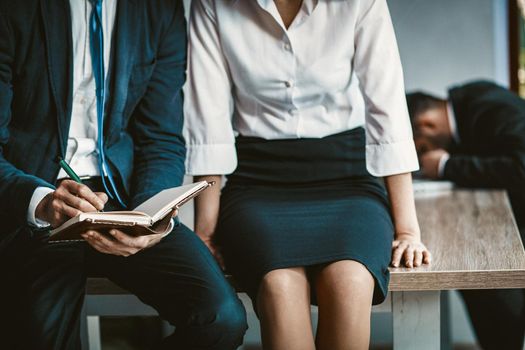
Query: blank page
[[160, 204]]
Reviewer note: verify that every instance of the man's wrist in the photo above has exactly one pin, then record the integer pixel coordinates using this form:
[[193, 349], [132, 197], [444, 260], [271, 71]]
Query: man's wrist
[[38, 196]]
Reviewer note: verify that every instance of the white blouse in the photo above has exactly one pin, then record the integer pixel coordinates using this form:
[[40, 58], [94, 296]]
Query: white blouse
[[336, 67]]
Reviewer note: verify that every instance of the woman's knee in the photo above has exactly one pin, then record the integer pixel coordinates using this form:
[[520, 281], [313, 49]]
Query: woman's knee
[[346, 275], [282, 282]]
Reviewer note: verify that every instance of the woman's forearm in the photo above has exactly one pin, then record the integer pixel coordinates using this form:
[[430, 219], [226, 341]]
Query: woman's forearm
[[407, 246], [401, 195], [207, 207]]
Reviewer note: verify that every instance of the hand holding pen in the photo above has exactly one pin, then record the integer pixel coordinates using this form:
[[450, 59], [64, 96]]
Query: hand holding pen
[[70, 199]]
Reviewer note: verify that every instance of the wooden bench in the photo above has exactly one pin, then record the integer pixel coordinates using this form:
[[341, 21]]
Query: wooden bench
[[475, 244]]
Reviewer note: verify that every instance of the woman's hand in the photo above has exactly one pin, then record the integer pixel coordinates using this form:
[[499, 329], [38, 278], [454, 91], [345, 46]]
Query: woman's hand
[[410, 250], [407, 246]]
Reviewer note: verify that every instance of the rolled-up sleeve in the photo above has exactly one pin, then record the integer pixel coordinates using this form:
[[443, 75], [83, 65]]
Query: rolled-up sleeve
[[390, 146], [208, 109]]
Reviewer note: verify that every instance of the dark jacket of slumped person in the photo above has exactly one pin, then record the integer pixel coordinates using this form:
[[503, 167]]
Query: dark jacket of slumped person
[[491, 151]]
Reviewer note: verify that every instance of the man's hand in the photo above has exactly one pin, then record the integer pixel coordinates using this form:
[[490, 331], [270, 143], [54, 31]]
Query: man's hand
[[67, 201], [430, 163], [121, 244]]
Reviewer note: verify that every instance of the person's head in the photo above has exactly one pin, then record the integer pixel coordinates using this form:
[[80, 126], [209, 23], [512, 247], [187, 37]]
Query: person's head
[[429, 118]]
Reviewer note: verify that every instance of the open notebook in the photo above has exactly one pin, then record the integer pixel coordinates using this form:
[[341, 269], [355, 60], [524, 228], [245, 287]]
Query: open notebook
[[151, 217]]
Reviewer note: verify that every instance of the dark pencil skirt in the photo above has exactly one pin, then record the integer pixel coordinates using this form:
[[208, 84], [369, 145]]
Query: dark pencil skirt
[[304, 202]]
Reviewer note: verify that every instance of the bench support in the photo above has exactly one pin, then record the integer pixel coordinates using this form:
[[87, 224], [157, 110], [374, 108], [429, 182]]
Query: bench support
[[93, 329], [416, 317]]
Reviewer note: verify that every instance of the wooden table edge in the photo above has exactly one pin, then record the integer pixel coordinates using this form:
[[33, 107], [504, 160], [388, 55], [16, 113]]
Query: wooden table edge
[[450, 280]]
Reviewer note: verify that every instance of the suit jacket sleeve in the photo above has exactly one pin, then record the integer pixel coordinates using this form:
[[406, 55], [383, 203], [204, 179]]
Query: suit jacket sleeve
[[16, 187], [156, 124], [476, 171], [501, 126]]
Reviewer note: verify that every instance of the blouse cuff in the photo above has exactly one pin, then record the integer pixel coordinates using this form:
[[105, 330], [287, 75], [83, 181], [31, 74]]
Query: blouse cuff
[[211, 159], [391, 158]]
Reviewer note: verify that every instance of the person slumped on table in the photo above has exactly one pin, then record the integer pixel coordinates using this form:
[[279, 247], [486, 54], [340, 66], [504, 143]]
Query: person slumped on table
[[57, 58], [476, 138], [303, 217]]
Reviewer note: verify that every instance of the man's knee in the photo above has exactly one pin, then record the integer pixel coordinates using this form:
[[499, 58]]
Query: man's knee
[[225, 319]]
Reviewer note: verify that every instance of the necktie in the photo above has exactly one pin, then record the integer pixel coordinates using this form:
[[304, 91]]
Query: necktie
[[96, 36]]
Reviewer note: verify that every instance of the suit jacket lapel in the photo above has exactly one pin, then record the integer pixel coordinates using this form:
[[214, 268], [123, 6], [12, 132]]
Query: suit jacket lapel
[[128, 22], [56, 18]]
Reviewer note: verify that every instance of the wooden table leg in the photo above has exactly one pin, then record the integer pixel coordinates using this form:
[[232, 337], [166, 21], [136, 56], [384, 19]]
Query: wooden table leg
[[416, 320]]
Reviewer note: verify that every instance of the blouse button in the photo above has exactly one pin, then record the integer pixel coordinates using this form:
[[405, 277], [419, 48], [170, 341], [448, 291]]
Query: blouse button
[[287, 47], [288, 83]]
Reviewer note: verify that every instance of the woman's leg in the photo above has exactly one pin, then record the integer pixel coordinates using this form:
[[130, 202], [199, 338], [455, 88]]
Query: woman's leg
[[344, 295], [283, 304]]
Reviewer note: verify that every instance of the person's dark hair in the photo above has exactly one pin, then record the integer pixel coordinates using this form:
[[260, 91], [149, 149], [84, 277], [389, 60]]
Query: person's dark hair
[[420, 102]]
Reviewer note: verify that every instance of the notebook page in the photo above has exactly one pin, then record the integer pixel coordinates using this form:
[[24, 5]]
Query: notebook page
[[158, 206]]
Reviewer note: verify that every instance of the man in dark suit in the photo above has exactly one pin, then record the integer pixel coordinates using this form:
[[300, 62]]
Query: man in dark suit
[[476, 138], [97, 83]]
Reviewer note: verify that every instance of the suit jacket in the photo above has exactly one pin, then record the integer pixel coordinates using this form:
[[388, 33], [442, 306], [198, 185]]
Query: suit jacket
[[143, 127], [491, 152]]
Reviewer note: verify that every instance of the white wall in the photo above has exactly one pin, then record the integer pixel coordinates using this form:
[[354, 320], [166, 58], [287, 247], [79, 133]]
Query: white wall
[[450, 41]]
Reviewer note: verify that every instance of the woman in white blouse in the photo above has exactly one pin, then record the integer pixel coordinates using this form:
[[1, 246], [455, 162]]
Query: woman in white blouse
[[302, 105]]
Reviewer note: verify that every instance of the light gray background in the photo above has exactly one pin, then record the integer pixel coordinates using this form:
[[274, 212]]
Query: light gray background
[[442, 43]]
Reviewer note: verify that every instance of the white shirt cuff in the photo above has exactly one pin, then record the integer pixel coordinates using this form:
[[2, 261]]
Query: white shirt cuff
[[441, 166], [391, 158], [211, 159], [37, 197]]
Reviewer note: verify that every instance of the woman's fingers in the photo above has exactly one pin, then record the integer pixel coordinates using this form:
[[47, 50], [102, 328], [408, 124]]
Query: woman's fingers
[[409, 256], [397, 254], [427, 257], [418, 257]]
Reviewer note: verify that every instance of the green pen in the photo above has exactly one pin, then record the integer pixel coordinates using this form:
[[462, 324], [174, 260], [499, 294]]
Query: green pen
[[69, 171]]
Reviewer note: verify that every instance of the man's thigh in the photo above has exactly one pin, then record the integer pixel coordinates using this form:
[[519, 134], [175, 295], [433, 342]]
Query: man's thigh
[[175, 277], [44, 293]]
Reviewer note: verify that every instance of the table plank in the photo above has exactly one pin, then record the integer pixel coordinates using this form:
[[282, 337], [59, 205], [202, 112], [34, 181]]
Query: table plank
[[474, 240]]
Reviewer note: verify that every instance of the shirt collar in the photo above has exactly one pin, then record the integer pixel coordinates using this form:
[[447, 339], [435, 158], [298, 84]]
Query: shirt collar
[[308, 5], [452, 122]]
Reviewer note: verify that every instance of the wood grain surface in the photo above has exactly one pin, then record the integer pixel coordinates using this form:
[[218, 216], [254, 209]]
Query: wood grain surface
[[473, 238], [474, 242]]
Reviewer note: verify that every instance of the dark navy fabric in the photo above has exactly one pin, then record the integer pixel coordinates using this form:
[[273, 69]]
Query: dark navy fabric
[[42, 284], [143, 140], [177, 277], [304, 202]]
